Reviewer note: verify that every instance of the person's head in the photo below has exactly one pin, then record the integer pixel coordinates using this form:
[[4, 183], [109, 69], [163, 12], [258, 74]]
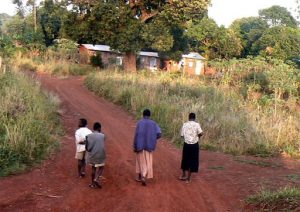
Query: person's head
[[146, 113], [82, 123], [97, 127], [192, 116]]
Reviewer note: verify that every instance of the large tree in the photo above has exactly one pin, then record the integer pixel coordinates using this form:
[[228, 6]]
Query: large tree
[[249, 30], [128, 26], [278, 16], [50, 19]]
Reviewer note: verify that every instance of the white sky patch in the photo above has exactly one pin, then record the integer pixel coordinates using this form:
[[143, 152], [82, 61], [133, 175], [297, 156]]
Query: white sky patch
[[224, 12]]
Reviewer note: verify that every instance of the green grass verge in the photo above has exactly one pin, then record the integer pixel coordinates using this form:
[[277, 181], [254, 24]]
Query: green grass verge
[[286, 199], [257, 163]]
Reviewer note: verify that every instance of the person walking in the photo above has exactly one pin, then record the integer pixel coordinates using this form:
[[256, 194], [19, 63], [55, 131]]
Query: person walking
[[80, 136], [191, 132], [96, 154], [146, 134]]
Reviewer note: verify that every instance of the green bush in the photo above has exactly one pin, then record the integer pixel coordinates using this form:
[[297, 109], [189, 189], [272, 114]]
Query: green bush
[[96, 60]]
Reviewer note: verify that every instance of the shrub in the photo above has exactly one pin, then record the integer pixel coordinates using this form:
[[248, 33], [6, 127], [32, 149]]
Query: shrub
[[29, 125], [96, 60]]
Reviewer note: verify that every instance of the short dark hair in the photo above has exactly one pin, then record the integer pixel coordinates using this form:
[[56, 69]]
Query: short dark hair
[[82, 123], [147, 113], [97, 126], [192, 116]]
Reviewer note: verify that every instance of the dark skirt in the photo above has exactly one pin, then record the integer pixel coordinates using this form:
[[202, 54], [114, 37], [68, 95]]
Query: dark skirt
[[190, 157]]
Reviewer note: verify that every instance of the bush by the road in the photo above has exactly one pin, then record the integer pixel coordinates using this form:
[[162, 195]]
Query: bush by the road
[[29, 123]]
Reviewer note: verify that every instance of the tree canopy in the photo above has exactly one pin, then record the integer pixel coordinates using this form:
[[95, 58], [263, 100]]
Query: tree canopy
[[278, 16], [129, 26]]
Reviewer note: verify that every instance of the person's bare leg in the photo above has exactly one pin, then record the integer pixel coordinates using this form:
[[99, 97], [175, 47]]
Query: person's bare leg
[[189, 175], [99, 172], [183, 176], [79, 168], [93, 174], [139, 177], [83, 167]]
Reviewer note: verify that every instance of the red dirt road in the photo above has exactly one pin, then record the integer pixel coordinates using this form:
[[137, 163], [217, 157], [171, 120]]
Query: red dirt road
[[222, 184]]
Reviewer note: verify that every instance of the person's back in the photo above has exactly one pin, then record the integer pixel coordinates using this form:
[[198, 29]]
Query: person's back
[[96, 148], [96, 154], [147, 132]]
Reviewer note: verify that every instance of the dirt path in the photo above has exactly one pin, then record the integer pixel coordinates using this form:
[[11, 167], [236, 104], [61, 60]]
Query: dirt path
[[221, 185]]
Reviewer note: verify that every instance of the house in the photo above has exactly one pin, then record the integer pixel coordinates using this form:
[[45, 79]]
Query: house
[[148, 60], [145, 60], [191, 64], [108, 56]]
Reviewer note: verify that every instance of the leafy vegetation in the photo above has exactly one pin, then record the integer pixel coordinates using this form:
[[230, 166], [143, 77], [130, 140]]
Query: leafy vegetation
[[285, 199], [29, 124]]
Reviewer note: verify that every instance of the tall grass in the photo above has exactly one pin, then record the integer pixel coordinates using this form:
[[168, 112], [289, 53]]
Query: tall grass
[[29, 124], [51, 63], [230, 125]]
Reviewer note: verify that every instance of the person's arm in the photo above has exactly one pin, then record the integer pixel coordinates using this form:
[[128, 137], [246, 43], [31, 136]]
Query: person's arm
[[135, 138], [158, 132], [181, 132], [87, 144], [200, 131]]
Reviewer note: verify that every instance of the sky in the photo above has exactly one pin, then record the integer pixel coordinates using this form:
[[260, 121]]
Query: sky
[[222, 11]]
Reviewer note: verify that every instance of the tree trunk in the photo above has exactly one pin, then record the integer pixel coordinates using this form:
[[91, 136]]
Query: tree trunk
[[130, 62], [34, 18]]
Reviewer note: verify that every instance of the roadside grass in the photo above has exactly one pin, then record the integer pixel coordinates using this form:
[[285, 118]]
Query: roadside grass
[[294, 177], [29, 123], [285, 199], [256, 163], [50, 64], [231, 124]]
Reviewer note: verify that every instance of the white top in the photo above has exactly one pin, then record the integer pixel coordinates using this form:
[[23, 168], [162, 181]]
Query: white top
[[80, 135], [190, 131]]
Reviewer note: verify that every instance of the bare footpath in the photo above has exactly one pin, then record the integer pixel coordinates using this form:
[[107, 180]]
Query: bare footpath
[[222, 184]]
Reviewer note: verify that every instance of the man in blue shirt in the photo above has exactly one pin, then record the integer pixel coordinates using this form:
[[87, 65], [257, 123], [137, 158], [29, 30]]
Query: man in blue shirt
[[146, 134]]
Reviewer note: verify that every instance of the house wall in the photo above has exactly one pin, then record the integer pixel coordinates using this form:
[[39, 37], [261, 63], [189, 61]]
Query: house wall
[[190, 66], [107, 57], [146, 62]]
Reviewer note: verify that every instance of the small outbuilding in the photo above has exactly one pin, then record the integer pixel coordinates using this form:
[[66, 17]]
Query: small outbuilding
[[148, 60], [191, 64]]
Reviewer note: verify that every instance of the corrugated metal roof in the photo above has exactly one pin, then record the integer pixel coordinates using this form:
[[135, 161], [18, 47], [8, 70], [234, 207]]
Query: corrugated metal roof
[[148, 54], [106, 48], [193, 55], [103, 48]]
